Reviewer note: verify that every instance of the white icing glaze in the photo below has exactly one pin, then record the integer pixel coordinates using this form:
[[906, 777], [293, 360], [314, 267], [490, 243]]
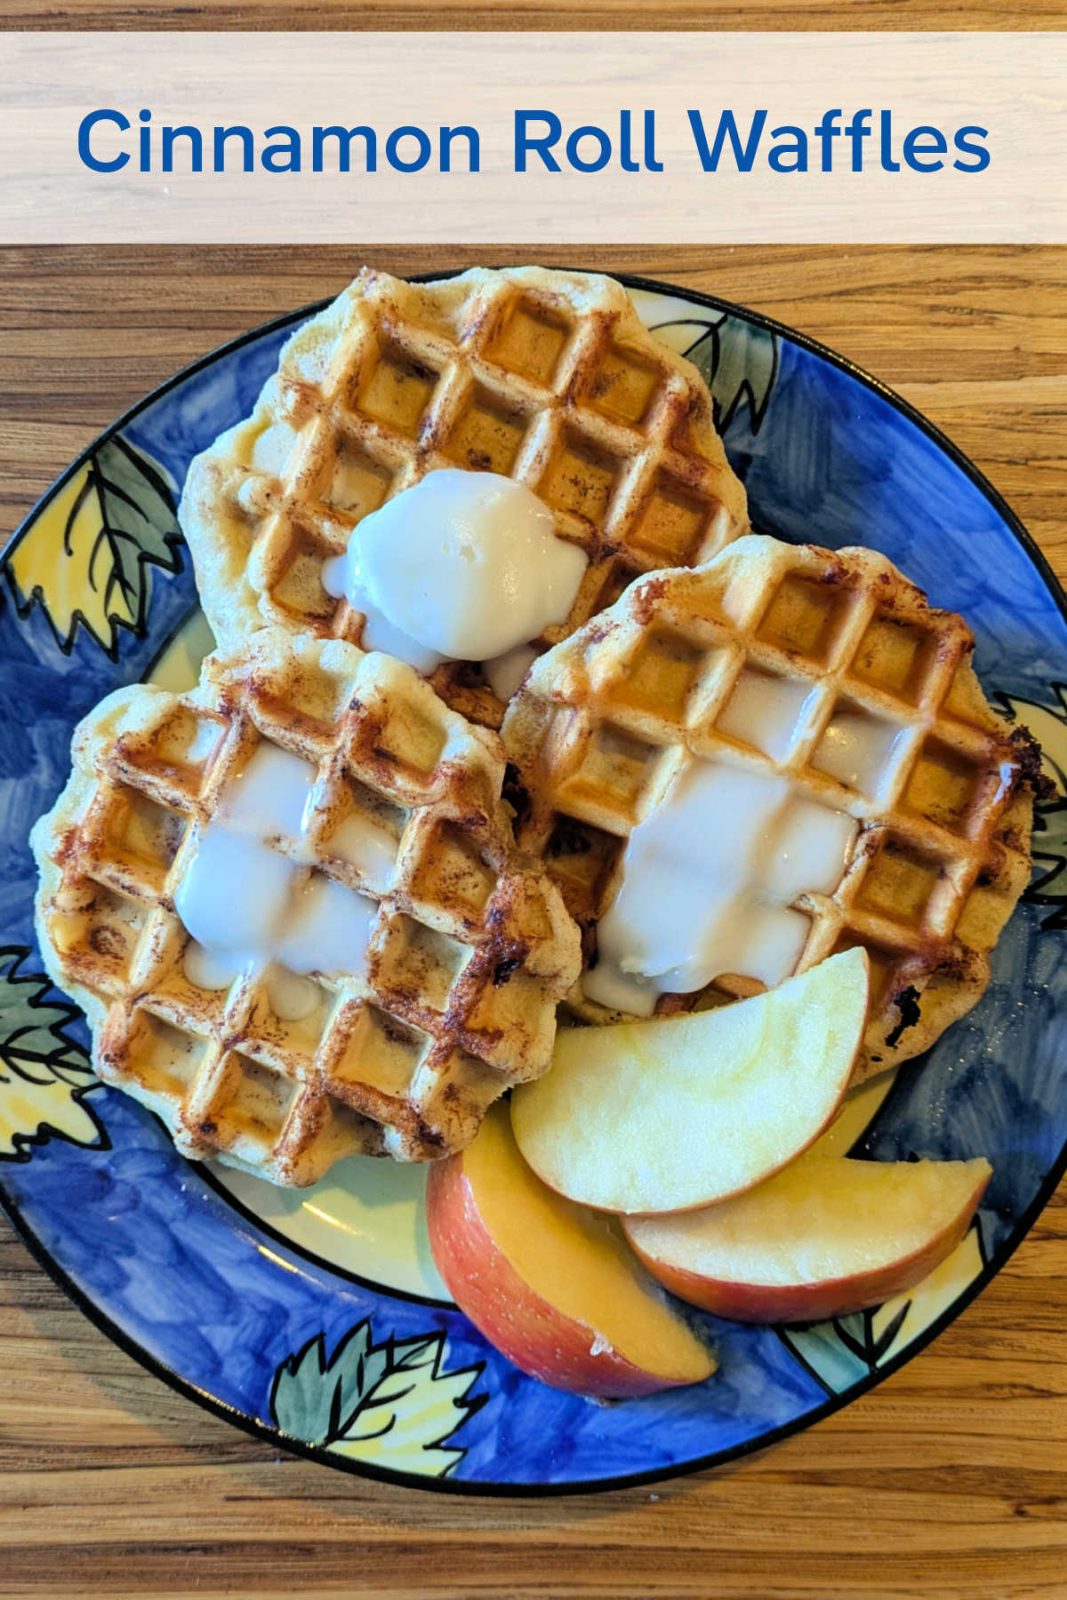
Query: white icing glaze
[[234, 893], [706, 884], [462, 566], [248, 907], [327, 928], [505, 673], [209, 969], [366, 845], [810, 849], [766, 711], [856, 749], [268, 797]]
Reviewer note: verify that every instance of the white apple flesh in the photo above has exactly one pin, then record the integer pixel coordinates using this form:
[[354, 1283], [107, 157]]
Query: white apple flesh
[[680, 1112]]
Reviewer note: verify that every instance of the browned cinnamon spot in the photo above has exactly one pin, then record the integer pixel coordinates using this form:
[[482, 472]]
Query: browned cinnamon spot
[[67, 847], [647, 597], [107, 942]]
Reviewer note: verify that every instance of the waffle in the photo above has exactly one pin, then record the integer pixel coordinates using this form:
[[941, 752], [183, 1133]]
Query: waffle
[[547, 377], [942, 852], [470, 949]]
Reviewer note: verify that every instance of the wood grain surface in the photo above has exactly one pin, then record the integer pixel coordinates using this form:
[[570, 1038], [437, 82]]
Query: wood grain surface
[[637, 15], [951, 1478]]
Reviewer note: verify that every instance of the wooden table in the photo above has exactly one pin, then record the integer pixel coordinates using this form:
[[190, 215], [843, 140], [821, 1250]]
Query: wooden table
[[951, 1478], [550, 15]]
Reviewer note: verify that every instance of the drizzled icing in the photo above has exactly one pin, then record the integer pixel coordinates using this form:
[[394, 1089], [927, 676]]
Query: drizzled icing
[[249, 906], [707, 881]]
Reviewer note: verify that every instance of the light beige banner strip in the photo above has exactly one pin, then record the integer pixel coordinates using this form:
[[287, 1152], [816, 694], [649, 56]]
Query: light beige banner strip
[[478, 138]]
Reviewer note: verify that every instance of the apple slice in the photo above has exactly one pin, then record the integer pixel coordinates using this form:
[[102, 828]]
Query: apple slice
[[825, 1237], [676, 1113], [554, 1287]]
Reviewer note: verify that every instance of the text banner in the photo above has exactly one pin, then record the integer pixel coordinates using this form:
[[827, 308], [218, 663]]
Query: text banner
[[567, 138]]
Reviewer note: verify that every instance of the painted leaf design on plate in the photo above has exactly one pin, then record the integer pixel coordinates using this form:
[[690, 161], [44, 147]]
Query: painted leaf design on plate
[[739, 363], [1048, 724], [87, 557], [393, 1404], [846, 1350], [44, 1075], [737, 360]]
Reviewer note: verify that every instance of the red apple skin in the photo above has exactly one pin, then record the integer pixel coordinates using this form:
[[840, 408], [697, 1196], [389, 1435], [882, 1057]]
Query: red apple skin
[[528, 1330], [809, 1302]]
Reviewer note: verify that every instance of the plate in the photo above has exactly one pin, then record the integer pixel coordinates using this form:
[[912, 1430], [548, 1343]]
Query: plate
[[316, 1320]]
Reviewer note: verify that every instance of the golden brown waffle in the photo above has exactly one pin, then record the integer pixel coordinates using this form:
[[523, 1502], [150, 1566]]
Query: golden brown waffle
[[547, 377], [606, 718], [470, 950]]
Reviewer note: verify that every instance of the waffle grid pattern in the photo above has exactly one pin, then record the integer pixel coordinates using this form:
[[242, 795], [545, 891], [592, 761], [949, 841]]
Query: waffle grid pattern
[[607, 718], [469, 952], [549, 378]]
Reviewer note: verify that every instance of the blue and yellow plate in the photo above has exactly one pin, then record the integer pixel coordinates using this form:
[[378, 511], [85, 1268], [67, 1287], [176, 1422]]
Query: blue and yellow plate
[[316, 1320]]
